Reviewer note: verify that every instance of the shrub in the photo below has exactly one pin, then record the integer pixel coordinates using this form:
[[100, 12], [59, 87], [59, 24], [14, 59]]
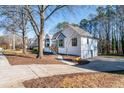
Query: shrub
[[35, 50], [81, 61], [78, 59]]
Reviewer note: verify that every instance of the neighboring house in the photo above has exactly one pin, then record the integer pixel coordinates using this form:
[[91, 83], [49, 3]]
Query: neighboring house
[[73, 40], [34, 44], [46, 42]]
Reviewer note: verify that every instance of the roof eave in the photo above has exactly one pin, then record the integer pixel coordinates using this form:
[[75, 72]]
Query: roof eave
[[89, 37]]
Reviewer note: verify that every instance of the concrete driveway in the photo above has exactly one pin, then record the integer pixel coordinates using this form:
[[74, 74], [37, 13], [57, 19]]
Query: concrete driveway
[[102, 63]]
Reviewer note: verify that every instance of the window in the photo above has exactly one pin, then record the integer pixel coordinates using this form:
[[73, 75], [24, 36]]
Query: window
[[47, 43], [61, 43], [87, 41], [74, 41], [47, 40]]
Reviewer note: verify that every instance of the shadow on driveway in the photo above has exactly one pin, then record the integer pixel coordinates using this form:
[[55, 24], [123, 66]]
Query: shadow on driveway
[[104, 64]]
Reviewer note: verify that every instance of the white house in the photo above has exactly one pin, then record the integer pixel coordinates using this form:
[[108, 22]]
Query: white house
[[47, 43], [73, 40]]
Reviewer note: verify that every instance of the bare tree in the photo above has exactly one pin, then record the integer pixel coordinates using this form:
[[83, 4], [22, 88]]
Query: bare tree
[[43, 15], [15, 21]]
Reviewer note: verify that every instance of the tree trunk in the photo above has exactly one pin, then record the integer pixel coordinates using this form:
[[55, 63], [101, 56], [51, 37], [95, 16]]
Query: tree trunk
[[24, 33], [13, 41], [40, 46], [24, 43], [108, 38], [122, 46], [41, 34], [122, 42]]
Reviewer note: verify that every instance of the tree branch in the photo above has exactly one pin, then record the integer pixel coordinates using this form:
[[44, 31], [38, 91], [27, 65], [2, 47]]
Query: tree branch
[[32, 21], [57, 8], [45, 8]]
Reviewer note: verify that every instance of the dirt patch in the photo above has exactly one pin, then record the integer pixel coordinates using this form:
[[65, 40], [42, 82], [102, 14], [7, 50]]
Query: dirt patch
[[15, 59], [79, 80]]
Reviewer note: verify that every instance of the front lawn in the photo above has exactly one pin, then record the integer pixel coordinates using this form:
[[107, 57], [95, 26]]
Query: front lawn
[[16, 58], [78, 80]]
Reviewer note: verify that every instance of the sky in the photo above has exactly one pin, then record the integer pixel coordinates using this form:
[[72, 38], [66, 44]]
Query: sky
[[77, 13], [76, 17]]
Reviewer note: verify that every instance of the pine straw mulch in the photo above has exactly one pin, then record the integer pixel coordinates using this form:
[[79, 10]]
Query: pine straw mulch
[[70, 57], [78, 80], [19, 59]]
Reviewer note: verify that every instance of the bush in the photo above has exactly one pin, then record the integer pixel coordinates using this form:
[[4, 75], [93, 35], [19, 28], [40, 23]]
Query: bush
[[35, 50], [77, 59], [83, 61]]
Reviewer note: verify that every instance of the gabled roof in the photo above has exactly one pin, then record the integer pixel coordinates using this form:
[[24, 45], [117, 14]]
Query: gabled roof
[[77, 29], [48, 36], [56, 35], [80, 31], [61, 36]]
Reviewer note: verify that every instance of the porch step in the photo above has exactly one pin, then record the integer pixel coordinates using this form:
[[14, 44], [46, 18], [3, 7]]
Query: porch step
[[59, 57]]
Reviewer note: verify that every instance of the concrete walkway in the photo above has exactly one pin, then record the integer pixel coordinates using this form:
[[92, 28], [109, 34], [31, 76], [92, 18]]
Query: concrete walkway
[[3, 61], [13, 76]]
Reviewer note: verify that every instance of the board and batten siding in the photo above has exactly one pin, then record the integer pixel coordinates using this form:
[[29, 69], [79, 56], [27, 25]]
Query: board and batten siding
[[88, 50], [68, 48]]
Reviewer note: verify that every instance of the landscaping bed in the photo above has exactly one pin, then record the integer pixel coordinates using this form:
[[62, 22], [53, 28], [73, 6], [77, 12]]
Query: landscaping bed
[[78, 80], [75, 59], [69, 58], [20, 59]]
